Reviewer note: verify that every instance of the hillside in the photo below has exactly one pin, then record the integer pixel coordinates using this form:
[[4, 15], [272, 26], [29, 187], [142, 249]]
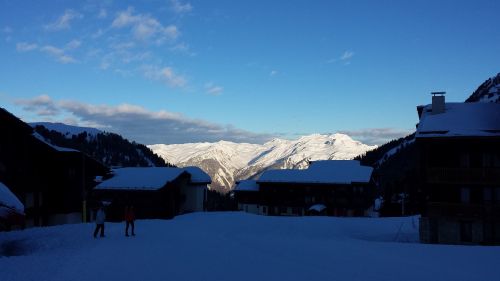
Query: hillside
[[489, 91], [228, 162], [110, 149]]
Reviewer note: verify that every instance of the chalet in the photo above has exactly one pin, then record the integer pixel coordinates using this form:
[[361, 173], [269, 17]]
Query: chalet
[[248, 196], [342, 187], [459, 167], [51, 182], [195, 192], [156, 192]]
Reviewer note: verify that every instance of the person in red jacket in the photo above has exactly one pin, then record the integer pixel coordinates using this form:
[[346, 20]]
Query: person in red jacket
[[129, 219]]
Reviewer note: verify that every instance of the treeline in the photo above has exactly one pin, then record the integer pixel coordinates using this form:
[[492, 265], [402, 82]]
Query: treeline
[[109, 148]]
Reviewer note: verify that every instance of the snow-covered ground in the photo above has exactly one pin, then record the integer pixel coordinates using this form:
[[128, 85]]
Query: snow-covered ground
[[239, 246]]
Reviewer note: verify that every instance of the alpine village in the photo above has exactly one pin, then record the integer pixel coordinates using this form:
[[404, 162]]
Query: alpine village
[[447, 173]]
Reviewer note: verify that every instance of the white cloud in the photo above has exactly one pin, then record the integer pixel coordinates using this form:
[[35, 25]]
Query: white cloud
[[213, 89], [42, 105], [139, 124], [273, 73], [145, 27], [179, 7], [64, 21], [102, 13], [182, 48], [165, 74], [377, 136], [7, 29], [25, 47], [347, 55], [73, 44], [58, 54], [97, 34]]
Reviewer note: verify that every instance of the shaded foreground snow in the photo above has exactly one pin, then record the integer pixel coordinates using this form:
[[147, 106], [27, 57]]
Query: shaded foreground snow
[[239, 246]]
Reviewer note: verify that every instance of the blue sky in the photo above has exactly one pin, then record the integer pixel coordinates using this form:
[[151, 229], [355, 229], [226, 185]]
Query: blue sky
[[185, 71]]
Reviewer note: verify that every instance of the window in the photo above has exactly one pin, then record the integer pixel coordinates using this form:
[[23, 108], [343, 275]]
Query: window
[[29, 200], [497, 194], [487, 194], [465, 231], [465, 195], [464, 160]]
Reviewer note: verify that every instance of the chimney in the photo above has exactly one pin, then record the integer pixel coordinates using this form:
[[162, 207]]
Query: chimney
[[438, 102]]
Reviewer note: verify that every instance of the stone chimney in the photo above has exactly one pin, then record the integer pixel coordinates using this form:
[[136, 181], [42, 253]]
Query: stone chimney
[[438, 102]]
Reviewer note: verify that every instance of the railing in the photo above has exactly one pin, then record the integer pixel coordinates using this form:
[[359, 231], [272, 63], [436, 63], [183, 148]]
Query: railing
[[463, 210], [464, 175]]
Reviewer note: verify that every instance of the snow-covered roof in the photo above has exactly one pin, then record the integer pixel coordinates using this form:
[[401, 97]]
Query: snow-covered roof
[[198, 175], [140, 178], [9, 200], [322, 172], [461, 120], [317, 207], [247, 185]]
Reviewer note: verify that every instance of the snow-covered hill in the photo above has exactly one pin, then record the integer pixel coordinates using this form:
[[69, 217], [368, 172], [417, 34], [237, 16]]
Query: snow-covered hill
[[489, 91], [227, 162], [67, 130]]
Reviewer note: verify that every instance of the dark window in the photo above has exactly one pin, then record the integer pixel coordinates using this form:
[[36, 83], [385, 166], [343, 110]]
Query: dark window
[[464, 160], [465, 195], [465, 231], [487, 194], [497, 194]]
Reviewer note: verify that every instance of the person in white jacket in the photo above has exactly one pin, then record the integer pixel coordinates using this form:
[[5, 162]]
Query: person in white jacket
[[100, 217]]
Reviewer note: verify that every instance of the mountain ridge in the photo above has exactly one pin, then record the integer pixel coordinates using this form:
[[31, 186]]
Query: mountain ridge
[[227, 162]]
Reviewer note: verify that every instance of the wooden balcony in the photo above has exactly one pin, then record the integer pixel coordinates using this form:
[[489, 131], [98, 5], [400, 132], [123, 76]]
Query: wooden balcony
[[460, 210], [463, 175]]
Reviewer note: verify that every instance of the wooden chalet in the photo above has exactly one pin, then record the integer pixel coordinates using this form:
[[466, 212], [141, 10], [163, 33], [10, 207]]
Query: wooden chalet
[[52, 182], [247, 194], [156, 192], [343, 187], [194, 194], [459, 167]]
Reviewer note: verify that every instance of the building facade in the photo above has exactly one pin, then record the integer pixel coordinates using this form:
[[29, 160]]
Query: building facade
[[329, 187], [459, 167]]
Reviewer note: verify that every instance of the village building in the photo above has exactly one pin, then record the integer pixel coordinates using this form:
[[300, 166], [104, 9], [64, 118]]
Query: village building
[[155, 192], [195, 192], [51, 182], [328, 187], [247, 195], [459, 167]]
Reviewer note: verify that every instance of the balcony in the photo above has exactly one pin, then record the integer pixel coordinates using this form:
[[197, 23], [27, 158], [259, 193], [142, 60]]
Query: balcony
[[462, 210], [464, 175]]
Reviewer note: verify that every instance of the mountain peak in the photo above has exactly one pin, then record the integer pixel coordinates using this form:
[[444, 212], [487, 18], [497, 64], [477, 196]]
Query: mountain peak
[[227, 162]]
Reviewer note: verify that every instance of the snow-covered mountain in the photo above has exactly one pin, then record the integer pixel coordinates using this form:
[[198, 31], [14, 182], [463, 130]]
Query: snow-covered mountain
[[67, 130], [227, 162], [489, 91]]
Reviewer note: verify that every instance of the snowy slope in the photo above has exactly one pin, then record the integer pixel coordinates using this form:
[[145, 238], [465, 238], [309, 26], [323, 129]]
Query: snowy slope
[[239, 246], [227, 162], [67, 130], [489, 91]]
